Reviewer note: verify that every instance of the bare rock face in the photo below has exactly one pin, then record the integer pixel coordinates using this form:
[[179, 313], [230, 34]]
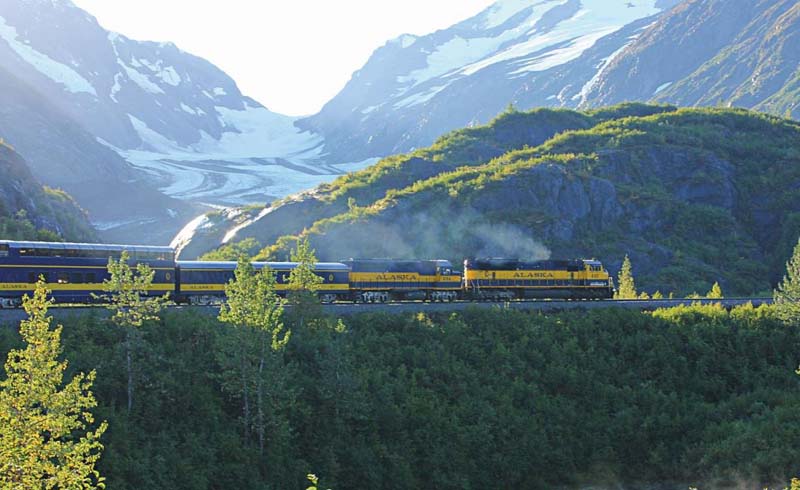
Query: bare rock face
[[741, 53]]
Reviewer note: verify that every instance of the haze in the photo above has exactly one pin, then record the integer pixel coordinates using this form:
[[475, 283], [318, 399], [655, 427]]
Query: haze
[[290, 56]]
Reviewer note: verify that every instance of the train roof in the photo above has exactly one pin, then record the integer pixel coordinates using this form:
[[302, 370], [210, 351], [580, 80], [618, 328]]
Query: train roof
[[86, 246], [383, 261], [498, 263], [228, 265]]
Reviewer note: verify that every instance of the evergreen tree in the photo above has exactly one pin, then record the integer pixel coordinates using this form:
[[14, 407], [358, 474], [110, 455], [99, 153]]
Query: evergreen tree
[[255, 310], [787, 296], [715, 292], [42, 444], [626, 288], [128, 299]]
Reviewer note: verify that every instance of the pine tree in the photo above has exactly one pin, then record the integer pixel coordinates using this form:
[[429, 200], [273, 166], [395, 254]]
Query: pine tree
[[127, 296], [255, 310], [787, 296], [626, 287], [715, 292], [42, 439]]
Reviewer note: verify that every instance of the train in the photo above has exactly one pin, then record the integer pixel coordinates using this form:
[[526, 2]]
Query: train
[[75, 272]]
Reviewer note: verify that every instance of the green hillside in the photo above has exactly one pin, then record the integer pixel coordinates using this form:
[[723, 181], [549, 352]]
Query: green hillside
[[694, 196], [30, 211]]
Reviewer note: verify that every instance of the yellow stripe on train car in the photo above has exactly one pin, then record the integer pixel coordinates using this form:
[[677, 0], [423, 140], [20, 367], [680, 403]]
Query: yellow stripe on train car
[[94, 267], [278, 287], [489, 275], [399, 277], [26, 286]]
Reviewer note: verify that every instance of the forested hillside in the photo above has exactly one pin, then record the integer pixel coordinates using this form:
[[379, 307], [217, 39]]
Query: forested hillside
[[29, 211], [694, 196], [481, 399]]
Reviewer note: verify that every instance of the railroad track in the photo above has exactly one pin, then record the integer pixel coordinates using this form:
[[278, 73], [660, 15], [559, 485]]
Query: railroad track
[[345, 309]]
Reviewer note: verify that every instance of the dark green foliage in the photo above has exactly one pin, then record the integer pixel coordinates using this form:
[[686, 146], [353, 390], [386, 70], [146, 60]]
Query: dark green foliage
[[18, 227], [481, 399], [232, 251], [711, 191]]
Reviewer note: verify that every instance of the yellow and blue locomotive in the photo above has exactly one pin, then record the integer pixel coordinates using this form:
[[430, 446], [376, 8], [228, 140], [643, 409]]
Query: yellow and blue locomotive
[[75, 273], [509, 279], [382, 280]]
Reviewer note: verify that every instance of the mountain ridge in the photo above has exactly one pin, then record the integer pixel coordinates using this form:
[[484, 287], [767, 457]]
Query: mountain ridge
[[641, 185]]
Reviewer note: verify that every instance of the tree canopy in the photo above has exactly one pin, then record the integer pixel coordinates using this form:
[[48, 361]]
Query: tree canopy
[[44, 437]]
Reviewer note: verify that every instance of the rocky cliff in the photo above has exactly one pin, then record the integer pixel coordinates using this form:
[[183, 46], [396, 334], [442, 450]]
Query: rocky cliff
[[29, 211]]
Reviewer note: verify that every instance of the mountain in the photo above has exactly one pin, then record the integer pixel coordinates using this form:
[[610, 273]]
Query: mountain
[[29, 211], [694, 196], [129, 118], [466, 147], [740, 53], [529, 53]]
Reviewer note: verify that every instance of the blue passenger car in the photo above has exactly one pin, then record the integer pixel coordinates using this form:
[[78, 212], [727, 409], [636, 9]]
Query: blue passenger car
[[204, 282], [73, 271]]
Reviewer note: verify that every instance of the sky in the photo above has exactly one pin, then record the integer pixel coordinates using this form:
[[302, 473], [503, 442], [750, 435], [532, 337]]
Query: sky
[[290, 55]]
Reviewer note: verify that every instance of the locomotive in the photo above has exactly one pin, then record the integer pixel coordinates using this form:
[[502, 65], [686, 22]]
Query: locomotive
[[75, 273]]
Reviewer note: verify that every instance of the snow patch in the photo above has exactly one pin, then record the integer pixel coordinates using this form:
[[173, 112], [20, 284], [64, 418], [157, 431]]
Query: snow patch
[[152, 139], [501, 11], [662, 87], [406, 40], [369, 109], [420, 98], [588, 86], [141, 80], [219, 91], [55, 71], [187, 233], [116, 88], [566, 54], [195, 111], [169, 76]]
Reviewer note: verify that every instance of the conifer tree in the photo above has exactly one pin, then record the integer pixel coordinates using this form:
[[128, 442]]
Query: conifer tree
[[715, 292], [787, 296], [127, 295], [255, 310], [42, 424], [626, 288]]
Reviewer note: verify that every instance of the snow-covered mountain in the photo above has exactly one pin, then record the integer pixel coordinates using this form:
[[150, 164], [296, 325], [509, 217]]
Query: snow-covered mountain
[[742, 53], [524, 52], [181, 124]]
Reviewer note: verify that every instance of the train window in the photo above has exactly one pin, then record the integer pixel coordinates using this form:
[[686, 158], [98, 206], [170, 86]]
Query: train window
[[90, 278], [75, 277], [62, 278], [4, 250]]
